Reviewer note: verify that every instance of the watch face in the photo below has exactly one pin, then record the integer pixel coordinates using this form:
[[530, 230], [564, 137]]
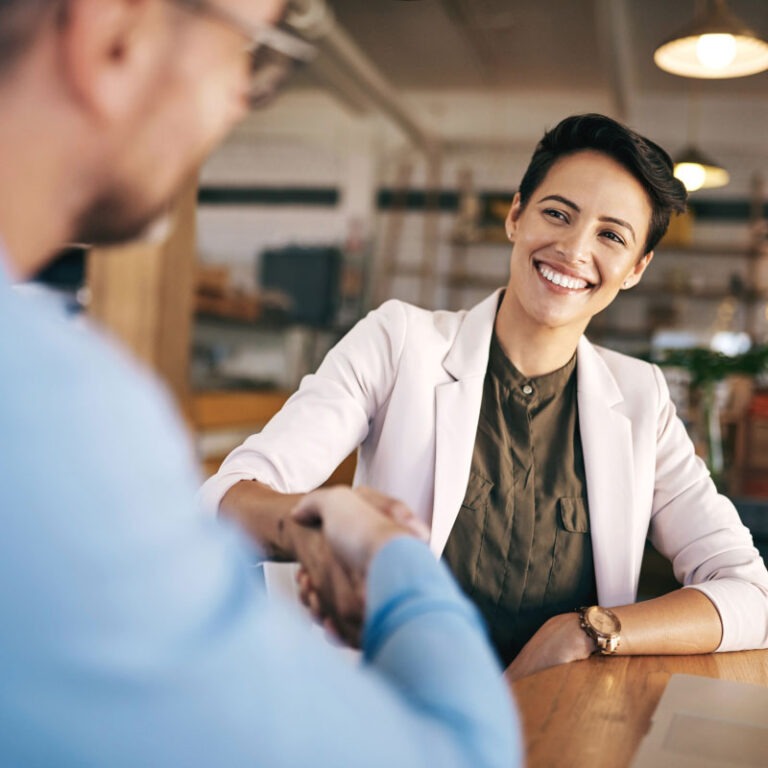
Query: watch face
[[602, 620]]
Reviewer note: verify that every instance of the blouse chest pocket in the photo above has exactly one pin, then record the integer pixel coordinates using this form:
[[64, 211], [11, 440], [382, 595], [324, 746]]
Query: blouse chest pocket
[[465, 545], [471, 527], [573, 514], [572, 564], [478, 490]]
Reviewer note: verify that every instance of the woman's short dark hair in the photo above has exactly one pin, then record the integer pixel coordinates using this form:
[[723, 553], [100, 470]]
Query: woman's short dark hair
[[644, 159]]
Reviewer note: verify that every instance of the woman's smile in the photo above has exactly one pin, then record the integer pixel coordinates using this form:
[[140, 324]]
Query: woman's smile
[[560, 280]]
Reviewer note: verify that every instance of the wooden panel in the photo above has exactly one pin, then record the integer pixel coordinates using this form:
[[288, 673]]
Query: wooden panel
[[142, 293], [219, 410], [222, 409], [342, 475], [175, 296], [122, 282]]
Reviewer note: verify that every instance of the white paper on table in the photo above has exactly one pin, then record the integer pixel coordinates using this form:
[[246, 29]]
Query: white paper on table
[[280, 583], [703, 722]]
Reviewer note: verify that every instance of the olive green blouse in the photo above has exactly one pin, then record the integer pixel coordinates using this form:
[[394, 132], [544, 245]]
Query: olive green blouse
[[520, 546]]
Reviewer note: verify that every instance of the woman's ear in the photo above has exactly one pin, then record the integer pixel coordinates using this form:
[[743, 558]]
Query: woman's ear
[[510, 223], [633, 278], [107, 51]]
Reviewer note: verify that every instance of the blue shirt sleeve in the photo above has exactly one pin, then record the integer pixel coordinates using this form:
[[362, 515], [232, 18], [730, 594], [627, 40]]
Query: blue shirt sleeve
[[134, 633]]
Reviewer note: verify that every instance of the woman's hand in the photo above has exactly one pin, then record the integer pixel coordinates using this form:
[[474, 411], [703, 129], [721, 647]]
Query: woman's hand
[[560, 640]]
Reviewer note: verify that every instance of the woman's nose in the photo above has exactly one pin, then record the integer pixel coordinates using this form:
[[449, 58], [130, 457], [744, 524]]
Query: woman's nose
[[574, 244]]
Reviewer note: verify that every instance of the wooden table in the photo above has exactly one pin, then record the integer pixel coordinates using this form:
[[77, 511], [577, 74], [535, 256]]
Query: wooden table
[[594, 713]]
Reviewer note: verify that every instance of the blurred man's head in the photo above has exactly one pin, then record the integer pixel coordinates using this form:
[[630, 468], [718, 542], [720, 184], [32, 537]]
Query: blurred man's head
[[137, 93]]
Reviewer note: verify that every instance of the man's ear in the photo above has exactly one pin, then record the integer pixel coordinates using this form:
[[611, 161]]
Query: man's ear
[[633, 278], [108, 52], [510, 223]]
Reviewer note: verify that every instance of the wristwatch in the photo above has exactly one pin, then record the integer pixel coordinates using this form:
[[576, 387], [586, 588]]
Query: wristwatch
[[603, 626]]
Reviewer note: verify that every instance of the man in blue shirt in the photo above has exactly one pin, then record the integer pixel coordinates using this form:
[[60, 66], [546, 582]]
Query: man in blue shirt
[[132, 633]]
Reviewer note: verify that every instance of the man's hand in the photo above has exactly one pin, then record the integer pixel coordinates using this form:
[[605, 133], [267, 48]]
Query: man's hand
[[394, 509], [334, 595], [560, 640], [340, 530]]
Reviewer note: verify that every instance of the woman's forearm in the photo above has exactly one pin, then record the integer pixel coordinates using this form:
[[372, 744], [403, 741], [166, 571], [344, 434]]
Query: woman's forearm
[[681, 622]]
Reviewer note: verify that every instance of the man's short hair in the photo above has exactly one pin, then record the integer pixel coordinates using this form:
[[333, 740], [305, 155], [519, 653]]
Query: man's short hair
[[641, 157], [20, 21]]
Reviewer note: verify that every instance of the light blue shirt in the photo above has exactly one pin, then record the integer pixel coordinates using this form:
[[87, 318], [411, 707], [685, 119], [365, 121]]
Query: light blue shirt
[[132, 633]]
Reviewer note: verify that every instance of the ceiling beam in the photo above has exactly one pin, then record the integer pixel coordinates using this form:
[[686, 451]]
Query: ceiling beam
[[315, 21], [458, 11], [616, 54]]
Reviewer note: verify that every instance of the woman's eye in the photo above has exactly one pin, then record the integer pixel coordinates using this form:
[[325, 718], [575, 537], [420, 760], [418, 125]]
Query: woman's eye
[[553, 213], [613, 236]]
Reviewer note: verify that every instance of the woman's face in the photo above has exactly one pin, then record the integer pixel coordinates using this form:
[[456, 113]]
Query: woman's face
[[578, 241]]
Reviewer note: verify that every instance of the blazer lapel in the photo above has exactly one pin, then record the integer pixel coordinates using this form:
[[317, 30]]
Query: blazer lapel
[[606, 436], [457, 409]]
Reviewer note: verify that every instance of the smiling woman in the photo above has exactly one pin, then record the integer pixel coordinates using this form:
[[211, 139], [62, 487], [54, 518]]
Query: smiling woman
[[541, 462], [577, 243]]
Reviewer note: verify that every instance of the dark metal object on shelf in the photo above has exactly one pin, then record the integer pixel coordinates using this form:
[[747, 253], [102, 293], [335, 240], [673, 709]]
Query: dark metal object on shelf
[[308, 277]]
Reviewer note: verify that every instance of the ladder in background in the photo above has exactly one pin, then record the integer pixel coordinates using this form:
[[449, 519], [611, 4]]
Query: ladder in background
[[390, 263]]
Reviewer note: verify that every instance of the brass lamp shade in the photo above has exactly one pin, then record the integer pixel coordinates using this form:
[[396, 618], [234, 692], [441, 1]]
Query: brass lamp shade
[[717, 44], [697, 171]]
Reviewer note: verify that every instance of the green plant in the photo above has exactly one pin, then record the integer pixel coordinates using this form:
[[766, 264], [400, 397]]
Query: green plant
[[707, 367]]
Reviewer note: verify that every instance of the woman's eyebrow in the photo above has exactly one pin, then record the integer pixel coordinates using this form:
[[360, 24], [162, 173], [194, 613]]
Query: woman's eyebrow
[[611, 219], [621, 223], [563, 200]]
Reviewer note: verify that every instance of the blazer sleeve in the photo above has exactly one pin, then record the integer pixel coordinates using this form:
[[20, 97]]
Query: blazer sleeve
[[700, 532], [327, 418]]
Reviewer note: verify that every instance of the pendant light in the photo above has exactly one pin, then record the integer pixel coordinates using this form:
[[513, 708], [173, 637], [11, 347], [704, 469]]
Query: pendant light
[[697, 171], [717, 44]]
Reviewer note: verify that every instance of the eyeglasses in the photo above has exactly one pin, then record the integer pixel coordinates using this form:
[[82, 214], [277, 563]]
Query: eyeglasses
[[274, 52]]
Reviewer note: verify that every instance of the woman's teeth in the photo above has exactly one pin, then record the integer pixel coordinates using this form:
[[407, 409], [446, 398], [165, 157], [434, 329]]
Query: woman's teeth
[[558, 278]]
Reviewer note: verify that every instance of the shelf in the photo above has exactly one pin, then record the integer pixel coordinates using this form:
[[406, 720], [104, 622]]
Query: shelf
[[630, 334], [227, 321], [412, 270], [708, 294], [265, 323], [722, 251], [490, 236], [464, 279], [452, 279]]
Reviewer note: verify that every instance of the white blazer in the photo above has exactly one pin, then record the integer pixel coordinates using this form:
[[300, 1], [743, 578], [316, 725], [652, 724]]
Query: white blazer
[[405, 386]]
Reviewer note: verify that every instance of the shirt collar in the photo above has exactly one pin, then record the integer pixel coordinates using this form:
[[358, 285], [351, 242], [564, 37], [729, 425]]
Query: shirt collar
[[545, 387]]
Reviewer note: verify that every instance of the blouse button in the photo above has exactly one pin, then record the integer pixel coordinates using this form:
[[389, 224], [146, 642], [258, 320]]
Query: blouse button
[[527, 389]]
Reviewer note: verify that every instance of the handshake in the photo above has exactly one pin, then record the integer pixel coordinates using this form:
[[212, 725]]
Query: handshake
[[335, 533]]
